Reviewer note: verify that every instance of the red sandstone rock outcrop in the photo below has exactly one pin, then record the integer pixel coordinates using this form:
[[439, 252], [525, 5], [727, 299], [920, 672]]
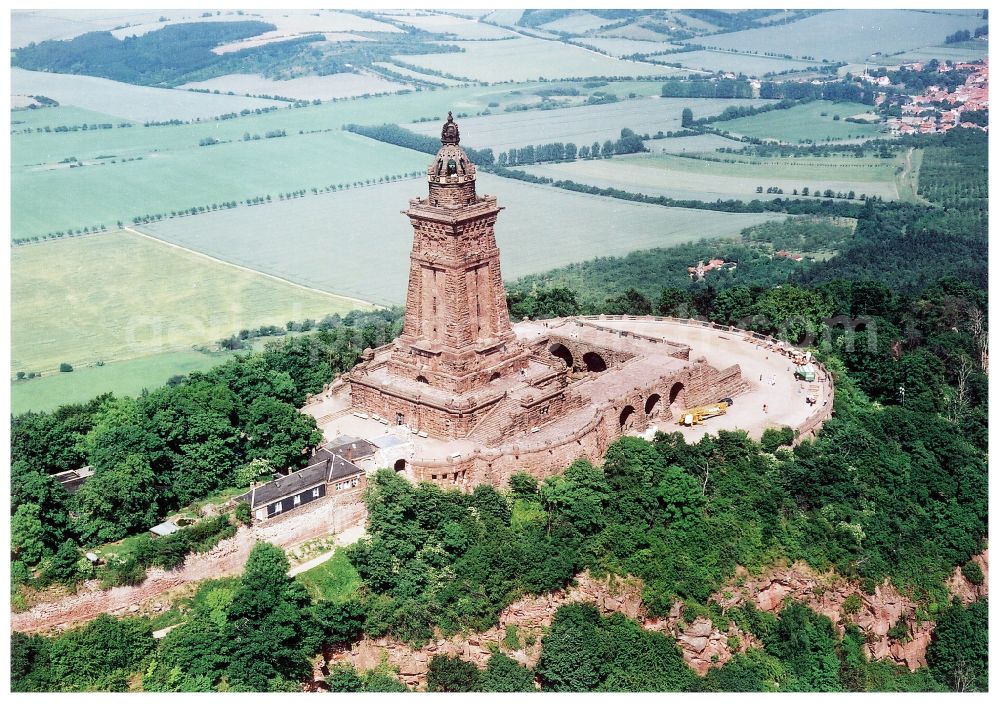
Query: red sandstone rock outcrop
[[702, 644], [966, 591]]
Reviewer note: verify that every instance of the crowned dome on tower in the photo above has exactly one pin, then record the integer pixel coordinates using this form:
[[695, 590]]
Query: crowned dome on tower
[[451, 164]]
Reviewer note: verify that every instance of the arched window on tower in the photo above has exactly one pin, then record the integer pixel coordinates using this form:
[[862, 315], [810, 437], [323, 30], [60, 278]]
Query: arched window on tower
[[452, 168]]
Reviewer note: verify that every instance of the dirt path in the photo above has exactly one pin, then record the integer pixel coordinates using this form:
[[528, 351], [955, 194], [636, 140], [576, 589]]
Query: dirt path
[[909, 180]]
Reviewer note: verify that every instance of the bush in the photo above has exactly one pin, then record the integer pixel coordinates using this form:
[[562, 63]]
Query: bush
[[243, 514], [772, 438], [170, 550], [65, 367], [973, 572], [62, 566], [123, 572], [852, 604], [452, 674], [524, 486]]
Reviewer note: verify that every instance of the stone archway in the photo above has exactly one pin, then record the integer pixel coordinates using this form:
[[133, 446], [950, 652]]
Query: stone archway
[[400, 465], [626, 419], [653, 405], [594, 362], [422, 379], [677, 399], [562, 352]]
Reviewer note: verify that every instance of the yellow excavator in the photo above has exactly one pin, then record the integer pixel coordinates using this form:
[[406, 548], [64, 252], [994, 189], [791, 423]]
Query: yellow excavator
[[698, 415]]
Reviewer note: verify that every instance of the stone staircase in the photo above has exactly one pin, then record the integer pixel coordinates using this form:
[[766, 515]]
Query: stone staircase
[[323, 420], [489, 430]]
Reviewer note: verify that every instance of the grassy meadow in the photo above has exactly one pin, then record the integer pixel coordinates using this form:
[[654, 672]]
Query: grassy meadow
[[121, 296], [334, 580], [365, 241], [125, 378], [737, 177], [812, 121]]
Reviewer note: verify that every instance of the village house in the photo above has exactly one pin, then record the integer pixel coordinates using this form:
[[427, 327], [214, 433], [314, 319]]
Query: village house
[[327, 474]]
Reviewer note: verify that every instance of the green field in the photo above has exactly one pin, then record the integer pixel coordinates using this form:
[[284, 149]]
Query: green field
[[54, 197], [805, 122], [584, 124], [121, 296], [364, 242], [620, 46], [738, 177], [448, 24], [974, 50], [334, 580], [127, 101], [737, 63], [527, 59], [847, 35], [694, 144], [126, 378], [334, 85], [173, 171]]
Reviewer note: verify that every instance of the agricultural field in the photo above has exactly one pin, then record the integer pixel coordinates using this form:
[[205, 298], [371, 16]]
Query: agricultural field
[[277, 36], [584, 124], [127, 101], [737, 63], [364, 242], [430, 104], [619, 46], [121, 296], [695, 144], [635, 32], [286, 21], [335, 85], [847, 35], [528, 59], [52, 197], [974, 50], [688, 178], [577, 23], [38, 118], [125, 378], [812, 121], [39, 25], [448, 24], [410, 73]]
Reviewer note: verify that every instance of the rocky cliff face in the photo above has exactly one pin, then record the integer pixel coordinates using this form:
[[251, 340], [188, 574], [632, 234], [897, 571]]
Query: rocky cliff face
[[703, 645]]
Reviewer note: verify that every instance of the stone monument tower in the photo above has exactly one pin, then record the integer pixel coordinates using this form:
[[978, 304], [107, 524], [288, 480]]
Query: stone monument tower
[[457, 355], [456, 334]]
